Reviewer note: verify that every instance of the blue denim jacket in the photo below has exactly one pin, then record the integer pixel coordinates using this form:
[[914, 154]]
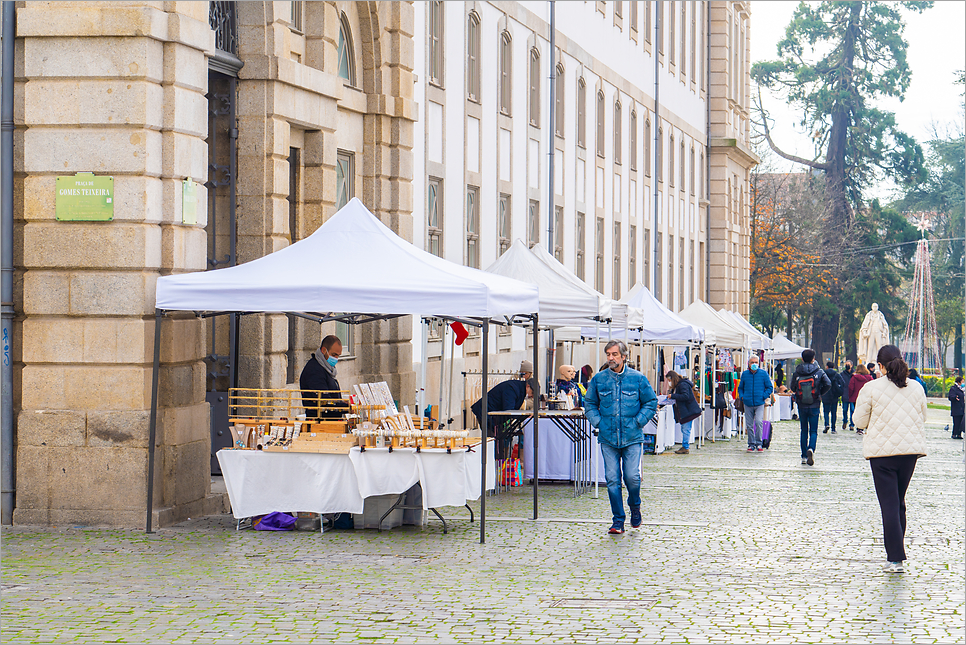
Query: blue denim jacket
[[619, 406]]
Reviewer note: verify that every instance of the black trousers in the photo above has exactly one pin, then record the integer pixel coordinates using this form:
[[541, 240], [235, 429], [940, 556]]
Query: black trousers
[[891, 476], [958, 425]]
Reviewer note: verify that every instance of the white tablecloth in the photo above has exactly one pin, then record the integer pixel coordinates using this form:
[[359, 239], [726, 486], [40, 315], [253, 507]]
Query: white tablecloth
[[556, 459], [785, 407], [261, 482]]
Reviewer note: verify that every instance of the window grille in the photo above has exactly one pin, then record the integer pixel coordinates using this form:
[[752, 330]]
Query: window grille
[[616, 279], [434, 217], [582, 113], [472, 227], [506, 60], [504, 223], [473, 57], [436, 43], [581, 245], [345, 53], [344, 178], [533, 223], [535, 87]]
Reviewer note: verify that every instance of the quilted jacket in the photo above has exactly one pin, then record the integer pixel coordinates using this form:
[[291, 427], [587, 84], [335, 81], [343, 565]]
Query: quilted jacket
[[894, 418]]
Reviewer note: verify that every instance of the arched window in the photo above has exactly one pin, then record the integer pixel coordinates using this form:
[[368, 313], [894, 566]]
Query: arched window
[[581, 113], [473, 57], [618, 139], [436, 43], [560, 86], [647, 147], [670, 161], [347, 65], [535, 87], [506, 61], [633, 139], [600, 123]]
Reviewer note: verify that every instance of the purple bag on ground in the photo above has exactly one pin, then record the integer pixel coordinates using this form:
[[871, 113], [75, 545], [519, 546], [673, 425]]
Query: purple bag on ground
[[766, 434], [274, 521]]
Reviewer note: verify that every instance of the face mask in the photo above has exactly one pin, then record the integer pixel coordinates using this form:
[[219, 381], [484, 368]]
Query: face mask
[[332, 360], [753, 367]]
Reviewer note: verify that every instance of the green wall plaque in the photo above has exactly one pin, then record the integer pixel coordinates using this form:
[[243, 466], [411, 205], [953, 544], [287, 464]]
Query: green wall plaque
[[189, 202], [85, 198]]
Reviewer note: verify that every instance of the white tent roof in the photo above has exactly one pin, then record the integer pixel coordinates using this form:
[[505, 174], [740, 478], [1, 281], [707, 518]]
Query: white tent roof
[[727, 333], [562, 302], [785, 348], [658, 322], [353, 264], [606, 309], [758, 339]]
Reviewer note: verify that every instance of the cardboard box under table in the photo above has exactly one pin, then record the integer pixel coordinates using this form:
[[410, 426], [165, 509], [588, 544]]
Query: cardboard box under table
[[260, 482]]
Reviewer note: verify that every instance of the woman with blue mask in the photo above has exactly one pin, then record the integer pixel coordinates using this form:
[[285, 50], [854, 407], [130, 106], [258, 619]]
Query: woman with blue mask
[[319, 375]]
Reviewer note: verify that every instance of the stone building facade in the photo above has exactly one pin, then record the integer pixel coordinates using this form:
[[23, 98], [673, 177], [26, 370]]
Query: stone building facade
[[282, 111]]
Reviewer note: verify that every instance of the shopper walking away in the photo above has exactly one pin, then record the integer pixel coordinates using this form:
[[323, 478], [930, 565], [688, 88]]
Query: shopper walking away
[[830, 400], [914, 376], [686, 408], [779, 376], [754, 390], [619, 403], [858, 381], [957, 402], [847, 404], [893, 412], [809, 383]]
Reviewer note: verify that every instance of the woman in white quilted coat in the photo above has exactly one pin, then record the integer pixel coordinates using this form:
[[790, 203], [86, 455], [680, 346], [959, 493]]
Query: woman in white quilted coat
[[894, 416]]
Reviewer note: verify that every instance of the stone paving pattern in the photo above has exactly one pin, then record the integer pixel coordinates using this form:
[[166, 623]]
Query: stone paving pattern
[[736, 547]]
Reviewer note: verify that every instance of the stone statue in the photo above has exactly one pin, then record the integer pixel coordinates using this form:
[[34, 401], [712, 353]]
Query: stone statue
[[873, 335]]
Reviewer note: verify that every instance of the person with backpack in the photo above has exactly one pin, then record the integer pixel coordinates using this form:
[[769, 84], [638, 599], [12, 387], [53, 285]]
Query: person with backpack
[[686, 408], [858, 380], [830, 400], [848, 405], [754, 389], [809, 383]]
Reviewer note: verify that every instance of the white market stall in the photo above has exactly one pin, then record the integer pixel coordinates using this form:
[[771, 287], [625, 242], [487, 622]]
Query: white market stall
[[785, 349], [353, 269]]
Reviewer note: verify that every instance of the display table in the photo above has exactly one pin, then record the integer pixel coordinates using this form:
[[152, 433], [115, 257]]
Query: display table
[[786, 407], [261, 482]]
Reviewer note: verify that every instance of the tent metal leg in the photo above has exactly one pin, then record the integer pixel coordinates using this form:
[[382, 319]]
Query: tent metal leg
[[536, 416], [485, 369], [153, 431]]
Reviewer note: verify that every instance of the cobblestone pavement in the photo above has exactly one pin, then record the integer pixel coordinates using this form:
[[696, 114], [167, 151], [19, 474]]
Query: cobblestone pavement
[[736, 547]]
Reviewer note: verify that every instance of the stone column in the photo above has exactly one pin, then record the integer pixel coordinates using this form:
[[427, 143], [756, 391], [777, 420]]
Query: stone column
[[117, 90]]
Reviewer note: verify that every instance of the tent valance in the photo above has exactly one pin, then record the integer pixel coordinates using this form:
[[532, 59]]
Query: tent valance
[[785, 348], [727, 334], [758, 339]]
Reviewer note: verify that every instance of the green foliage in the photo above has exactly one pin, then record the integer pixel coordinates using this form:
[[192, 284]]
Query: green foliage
[[936, 386]]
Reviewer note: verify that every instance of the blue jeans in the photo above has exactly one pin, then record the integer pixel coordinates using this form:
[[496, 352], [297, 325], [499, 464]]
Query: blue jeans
[[847, 410], [808, 418], [622, 463], [830, 409], [754, 424], [686, 434]]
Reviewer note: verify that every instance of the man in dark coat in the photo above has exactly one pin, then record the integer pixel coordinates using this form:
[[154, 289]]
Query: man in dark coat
[[830, 399], [319, 374], [508, 395], [808, 398], [848, 406], [957, 406]]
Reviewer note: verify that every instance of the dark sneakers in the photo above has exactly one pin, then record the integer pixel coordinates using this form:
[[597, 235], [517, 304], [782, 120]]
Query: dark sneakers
[[616, 529], [810, 457], [635, 517]]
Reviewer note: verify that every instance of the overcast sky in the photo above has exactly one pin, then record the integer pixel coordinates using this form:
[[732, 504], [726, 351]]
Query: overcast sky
[[937, 48]]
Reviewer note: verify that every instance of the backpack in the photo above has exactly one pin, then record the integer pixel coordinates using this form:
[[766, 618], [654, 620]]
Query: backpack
[[807, 390]]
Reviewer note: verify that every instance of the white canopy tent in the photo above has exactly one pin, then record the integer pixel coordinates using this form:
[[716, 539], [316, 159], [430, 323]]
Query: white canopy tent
[[785, 349], [727, 333], [562, 302], [355, 269], [758, 339]]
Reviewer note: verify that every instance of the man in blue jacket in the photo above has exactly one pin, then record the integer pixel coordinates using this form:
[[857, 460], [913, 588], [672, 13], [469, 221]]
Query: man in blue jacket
[[619, 403], [754, 390]]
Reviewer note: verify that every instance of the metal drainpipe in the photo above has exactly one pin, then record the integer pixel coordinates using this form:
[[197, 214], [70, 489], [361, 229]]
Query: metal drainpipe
[[8, 483], [551, 344], [707, 156]]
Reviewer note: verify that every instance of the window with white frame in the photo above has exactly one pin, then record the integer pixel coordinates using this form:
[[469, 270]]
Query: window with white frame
[[633, 139], [694, 36], [659, 269], [670, 161], [473, 57], [648, 26], [600, 123], [599, 253], [647, 258], [436, 43], [297, 13], [683, 162], [581, 245], [503, 223], [616, 279], [560, 85], [344, 178], [647, 147], [558, 236], [631, 256], [347, 66], [581, 113], [535, 87], [681, 273], [671, 44], [619, 9], [618, 135], [434, 217], [690, 269], [659, 159], [506, 60], [472, 227], [533, 223], [691, 182], [684, 39], [632, 15]]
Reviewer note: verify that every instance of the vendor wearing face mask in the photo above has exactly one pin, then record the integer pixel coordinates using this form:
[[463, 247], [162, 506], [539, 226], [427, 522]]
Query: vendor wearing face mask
[[319, 373]]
